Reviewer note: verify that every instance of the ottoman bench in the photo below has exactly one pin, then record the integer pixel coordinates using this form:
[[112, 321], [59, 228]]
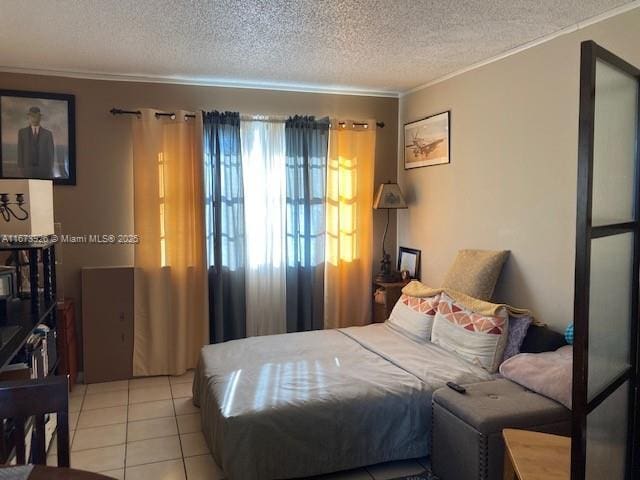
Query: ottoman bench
[[467, 439]]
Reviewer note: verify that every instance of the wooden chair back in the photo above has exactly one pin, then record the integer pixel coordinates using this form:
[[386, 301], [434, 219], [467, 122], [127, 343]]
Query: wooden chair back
[[20, 400]]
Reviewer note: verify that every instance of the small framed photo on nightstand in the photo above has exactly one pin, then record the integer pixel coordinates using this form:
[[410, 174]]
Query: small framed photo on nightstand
[[409, 261]]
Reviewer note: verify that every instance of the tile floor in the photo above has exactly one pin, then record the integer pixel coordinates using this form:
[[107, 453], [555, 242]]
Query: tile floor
[[148, 428]]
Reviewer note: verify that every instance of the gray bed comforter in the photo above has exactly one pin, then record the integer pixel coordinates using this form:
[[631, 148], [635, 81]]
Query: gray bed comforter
[[302, 404]]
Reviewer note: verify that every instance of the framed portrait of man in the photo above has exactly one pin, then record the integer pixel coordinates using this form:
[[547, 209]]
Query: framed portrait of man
[[38, 136]]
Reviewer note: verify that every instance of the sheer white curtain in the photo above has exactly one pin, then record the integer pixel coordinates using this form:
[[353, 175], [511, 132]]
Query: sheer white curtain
[[263, 164]]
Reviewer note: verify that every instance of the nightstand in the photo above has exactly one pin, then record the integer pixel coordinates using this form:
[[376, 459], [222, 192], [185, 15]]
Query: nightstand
[[385, 296]]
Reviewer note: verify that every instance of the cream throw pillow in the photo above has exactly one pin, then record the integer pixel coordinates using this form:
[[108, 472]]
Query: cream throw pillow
[[475, 272]]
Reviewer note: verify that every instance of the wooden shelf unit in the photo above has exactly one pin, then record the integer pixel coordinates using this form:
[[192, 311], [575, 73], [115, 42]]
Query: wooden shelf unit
[[24, 315]]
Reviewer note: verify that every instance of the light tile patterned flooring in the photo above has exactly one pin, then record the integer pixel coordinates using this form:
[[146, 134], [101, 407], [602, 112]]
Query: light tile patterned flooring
[[148, 429]]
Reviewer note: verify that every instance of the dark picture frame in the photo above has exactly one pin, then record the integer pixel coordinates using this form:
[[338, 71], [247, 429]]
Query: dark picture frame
[[57, 143], [408, 257], [427, 142]]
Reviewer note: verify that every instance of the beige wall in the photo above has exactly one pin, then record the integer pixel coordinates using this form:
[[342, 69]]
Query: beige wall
[[101, 202], [511, 183]]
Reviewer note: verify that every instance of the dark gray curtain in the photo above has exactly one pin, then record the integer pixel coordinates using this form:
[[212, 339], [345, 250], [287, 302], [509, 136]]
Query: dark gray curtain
[[224, 211], [306, 151]]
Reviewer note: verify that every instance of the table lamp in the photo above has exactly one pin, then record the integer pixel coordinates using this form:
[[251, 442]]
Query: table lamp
[[388, 197], [26, 208]]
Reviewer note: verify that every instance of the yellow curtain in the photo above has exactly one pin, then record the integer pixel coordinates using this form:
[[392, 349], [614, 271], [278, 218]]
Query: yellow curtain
[[171, 319], [347, 299]]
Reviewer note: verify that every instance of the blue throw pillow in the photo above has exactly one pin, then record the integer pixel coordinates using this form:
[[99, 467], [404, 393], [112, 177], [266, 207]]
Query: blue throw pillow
[[568, 334]]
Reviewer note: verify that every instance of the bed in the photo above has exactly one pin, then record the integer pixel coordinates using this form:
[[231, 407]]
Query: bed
[[304, 404]]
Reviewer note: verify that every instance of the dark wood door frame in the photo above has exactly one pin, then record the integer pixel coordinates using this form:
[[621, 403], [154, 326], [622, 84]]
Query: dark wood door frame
[[585, 232]]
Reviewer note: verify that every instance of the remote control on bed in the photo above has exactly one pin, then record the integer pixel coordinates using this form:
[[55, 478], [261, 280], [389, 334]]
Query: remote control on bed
[[456, 387]]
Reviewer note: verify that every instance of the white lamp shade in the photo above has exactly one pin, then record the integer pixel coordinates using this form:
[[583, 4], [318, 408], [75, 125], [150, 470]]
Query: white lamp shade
[[389, 196], [38, 204]]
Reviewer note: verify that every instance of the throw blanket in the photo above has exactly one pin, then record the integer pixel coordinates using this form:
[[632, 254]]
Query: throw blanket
[[549, 373], [420, 290]]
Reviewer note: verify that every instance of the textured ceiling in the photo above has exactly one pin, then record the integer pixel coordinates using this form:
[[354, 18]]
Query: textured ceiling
[[370, 45]]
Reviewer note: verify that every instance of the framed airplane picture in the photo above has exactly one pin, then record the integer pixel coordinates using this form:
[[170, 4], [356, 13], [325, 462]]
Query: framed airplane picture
[[427, 142], [37, 133]]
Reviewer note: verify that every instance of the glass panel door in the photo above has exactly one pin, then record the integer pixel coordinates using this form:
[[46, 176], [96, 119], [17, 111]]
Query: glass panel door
[[609, 310], [614, 145], [607, 436], [605, 374]]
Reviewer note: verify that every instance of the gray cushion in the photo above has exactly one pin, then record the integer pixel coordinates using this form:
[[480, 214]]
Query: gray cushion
[[490, 406]]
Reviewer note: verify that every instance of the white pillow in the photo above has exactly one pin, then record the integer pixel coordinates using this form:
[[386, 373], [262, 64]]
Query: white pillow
[[479, 339], [414, 316]]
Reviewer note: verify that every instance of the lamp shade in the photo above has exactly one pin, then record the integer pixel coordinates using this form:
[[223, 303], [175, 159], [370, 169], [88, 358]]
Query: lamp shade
[[389, 196], [26, 207]]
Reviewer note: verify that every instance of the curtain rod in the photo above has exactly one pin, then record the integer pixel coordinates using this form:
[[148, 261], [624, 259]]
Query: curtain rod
[[119, 111]]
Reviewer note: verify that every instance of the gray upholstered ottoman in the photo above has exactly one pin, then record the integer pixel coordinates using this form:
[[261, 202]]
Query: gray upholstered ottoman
[[467, 428]]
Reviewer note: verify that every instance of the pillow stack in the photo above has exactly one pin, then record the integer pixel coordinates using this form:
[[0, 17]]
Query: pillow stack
[[478, 331], [485, 339]]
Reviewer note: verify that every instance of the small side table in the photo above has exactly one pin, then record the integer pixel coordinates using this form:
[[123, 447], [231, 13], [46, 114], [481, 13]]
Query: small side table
[[536, 456], [387, 296]]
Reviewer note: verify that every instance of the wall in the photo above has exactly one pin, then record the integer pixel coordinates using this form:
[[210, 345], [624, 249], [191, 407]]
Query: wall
[[512, 179], [102, 200]]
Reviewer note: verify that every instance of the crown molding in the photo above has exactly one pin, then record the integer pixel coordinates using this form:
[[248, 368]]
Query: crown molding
[[201, 82], [534, 43], [311, 88]]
